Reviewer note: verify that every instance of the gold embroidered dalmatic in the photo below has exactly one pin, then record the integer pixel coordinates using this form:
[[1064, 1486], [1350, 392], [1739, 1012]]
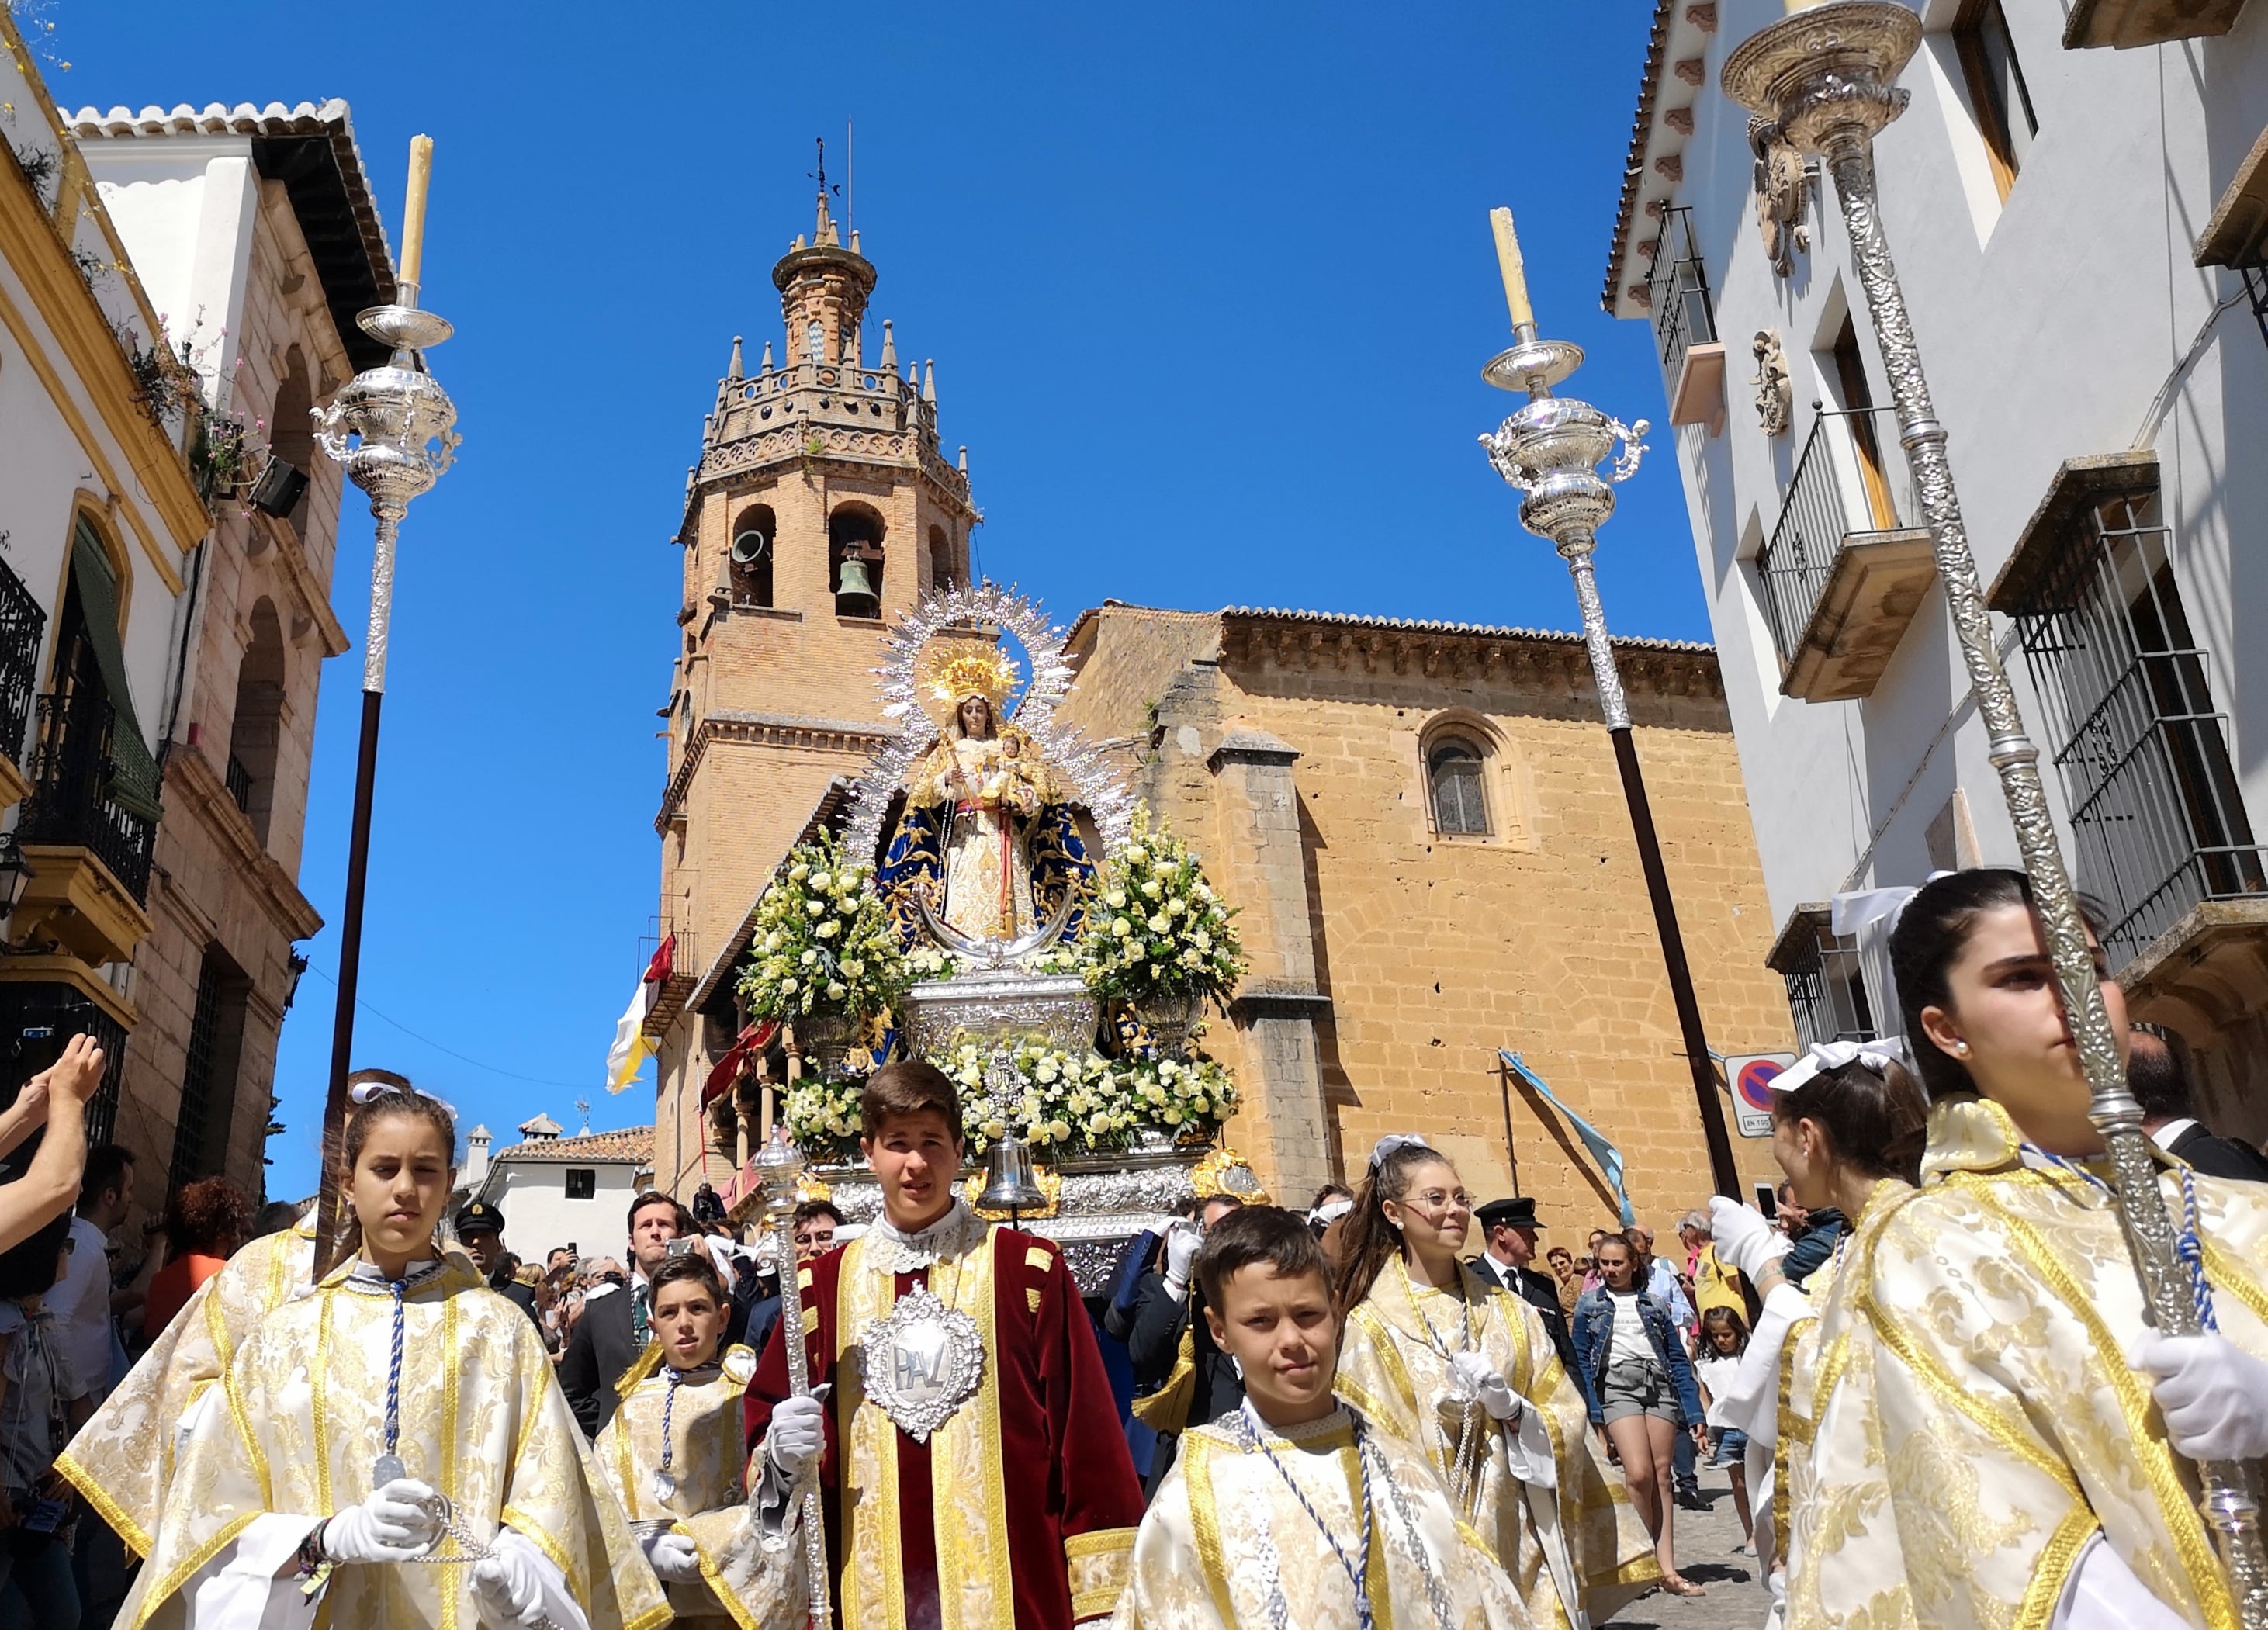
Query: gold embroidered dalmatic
[[709, 1460], [1971, 1416], [1227, 1543], [122, 1458], [482, 1420], [1391, 1368]]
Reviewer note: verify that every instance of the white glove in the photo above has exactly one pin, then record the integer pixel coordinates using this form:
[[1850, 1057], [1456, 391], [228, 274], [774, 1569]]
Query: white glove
[[2212, 1393], [394, 1525], [1472, 1376], [508, 1589], [1181, 1244], [797, 1433], [1744, 1239], [674, 1557]]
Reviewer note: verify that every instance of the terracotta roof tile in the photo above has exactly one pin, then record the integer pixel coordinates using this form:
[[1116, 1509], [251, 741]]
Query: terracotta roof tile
[[631, 1143]]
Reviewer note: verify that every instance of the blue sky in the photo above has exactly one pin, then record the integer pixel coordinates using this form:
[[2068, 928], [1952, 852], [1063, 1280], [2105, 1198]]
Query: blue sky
[[1208, 290]]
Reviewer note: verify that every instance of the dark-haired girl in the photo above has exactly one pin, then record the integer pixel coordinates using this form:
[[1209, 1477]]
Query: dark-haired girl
[[1717, 1348], [1997, 1436], [392, 1451], [1466, 1373]]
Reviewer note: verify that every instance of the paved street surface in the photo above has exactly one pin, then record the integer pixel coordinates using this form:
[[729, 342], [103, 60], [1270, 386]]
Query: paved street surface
[[1704, 1540]]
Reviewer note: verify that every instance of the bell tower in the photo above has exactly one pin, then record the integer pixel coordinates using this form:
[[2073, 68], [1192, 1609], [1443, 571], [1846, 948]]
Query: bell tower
[[819, 509]]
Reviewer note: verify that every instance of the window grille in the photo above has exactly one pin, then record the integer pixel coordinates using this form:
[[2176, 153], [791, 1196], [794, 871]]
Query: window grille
[[197, 1079], [2126, 693], [1678, 290], [1825, 992], [582, 1183], [1459, 801]]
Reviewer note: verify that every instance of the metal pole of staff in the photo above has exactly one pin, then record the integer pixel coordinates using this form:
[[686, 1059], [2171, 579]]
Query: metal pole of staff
[[393, 429], [779, 1168], [1549, 450]]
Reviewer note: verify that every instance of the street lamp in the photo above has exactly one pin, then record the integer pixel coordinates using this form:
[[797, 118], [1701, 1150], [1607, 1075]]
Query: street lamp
[[1826, 73], [1550, 451], [392, 428]]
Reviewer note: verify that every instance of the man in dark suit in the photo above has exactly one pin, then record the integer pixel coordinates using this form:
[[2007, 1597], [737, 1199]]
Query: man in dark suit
[[2170, 1115], [1168, 1305], [611, 1332], [480, 1229], [1509, 1228]]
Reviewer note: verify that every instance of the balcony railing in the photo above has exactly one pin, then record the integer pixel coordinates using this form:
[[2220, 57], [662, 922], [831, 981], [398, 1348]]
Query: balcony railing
[[1845, 484], [74, 791], [1683, 315], [22, 625]]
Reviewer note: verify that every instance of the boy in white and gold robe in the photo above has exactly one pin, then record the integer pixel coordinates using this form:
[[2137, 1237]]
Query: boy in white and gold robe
[[675, 1453], [1296, 1510]]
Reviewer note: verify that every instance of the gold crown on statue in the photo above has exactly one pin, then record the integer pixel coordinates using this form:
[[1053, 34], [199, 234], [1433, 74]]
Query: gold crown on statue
[[950, 674]]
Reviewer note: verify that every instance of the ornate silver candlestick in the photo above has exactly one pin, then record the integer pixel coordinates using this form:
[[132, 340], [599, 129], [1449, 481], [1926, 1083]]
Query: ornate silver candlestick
[[1826, 75], [778, 1168], [392, 428], [1550, 451]]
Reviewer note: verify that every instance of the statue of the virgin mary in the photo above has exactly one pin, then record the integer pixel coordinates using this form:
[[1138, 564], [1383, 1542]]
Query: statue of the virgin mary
[[984, 840]]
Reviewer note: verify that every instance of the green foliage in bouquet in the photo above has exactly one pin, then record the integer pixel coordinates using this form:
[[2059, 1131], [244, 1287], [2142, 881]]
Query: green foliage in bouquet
[[1155, 926], [1074, 1104], [823, 941]]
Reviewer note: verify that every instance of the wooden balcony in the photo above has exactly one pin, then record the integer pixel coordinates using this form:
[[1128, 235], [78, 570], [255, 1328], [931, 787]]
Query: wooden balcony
[[2122, 24]]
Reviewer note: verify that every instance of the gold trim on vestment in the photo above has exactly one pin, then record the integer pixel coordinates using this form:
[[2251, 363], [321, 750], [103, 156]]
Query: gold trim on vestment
[[1197, 1452], [2037, 1609], [448, 1478], [1098, 1566], [189, 1570]]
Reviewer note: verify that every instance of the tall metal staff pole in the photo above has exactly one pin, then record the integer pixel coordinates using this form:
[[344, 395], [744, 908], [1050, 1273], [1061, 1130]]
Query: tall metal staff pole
[[778, 1168], [1550, 451], [391, 427], [1826, 75]]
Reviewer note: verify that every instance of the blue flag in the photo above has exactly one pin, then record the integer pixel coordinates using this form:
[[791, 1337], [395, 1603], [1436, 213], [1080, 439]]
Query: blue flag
[[1610, 1157]]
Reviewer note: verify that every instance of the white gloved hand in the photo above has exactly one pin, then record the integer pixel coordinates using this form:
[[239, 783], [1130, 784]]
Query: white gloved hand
[[1744, 1239], [395, 1524], [797, 1432], [508, 1589], [1472, 1376], [674, 1557], [2212, 1393], [1181, 1244]]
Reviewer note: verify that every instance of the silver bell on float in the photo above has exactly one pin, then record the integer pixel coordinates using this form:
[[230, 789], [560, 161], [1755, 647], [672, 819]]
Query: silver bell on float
[[1008, 1185]]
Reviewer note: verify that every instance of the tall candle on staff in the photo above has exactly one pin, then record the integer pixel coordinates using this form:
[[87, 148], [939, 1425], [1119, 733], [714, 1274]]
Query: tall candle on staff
[[1515, 275]]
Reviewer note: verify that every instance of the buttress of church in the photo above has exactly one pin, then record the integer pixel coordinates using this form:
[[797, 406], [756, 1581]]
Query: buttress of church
[[821, 508]]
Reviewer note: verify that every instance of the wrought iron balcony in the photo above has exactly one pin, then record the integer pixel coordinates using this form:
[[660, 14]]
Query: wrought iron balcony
[[1685, 325], [1848, 560], [76, 800], [22, 625]]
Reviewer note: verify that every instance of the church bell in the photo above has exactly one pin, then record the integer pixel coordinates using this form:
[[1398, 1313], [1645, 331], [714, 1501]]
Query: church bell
[[856, 587], [1008, 1185]]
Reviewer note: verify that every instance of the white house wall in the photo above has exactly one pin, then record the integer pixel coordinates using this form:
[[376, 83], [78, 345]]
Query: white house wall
[[2049, 327]]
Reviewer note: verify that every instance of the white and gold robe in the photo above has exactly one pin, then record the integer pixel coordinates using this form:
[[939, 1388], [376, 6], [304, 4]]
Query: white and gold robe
[[300, 1424], [987, 784], [1392, 1371], [121, 1460], [1228, 1544], [1964, 1421], [709, 1460]]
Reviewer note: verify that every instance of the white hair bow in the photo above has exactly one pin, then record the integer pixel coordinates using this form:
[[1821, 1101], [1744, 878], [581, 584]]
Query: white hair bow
[[1875, 1055], [1392, 1143], [361, 1093]]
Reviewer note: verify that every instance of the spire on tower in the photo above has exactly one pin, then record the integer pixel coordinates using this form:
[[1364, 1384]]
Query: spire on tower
[[929, 381], [768, 356], [890, 349], [736, 372]]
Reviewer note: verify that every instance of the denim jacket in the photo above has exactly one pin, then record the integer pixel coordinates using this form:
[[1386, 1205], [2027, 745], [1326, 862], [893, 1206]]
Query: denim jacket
[[1594, 1337]]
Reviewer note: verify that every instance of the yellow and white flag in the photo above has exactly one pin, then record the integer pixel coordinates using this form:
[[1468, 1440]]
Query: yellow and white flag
[[631, 1050]]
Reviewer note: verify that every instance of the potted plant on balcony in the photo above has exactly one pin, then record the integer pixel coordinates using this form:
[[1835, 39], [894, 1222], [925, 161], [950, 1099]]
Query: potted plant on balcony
[[824, 957], [1157, 938]]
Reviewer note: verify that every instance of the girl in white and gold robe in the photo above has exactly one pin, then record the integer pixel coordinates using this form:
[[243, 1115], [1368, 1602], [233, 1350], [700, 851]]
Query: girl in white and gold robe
[[1229, 1543], [708, 1456], [482, 1421], [1399, 1378]]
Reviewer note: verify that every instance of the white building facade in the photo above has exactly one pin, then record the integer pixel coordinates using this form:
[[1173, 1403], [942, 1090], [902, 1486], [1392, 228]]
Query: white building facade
[[557, 1191], [2076, 196]]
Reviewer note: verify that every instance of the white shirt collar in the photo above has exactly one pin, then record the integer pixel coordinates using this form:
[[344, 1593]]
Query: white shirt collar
[[2165, 1136], [894, 1251]]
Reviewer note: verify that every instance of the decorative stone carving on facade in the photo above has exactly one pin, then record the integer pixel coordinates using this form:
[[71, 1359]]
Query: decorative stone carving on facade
[[1775, 391], [1780, 185]]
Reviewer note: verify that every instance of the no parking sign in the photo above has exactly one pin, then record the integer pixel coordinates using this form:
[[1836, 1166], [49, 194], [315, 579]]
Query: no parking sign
[[1751, 1075]]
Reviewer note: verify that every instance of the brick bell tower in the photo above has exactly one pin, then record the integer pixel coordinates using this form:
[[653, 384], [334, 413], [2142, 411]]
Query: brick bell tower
[[821, 508]]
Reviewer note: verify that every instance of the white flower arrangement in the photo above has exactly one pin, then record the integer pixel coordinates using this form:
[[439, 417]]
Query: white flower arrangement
[[1073, 1104], [823, 943], [1155, 926], [823, 1116]]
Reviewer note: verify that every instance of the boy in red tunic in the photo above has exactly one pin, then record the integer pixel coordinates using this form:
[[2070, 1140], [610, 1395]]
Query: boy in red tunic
[[976, 1474]]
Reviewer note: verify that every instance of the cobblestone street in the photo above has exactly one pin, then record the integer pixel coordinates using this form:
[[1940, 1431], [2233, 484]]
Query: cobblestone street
[[1704, 1541]]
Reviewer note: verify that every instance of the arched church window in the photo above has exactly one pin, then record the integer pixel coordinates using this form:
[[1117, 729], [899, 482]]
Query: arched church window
[[750, 564], [854, 543], [941, 574], [1454, 772]]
